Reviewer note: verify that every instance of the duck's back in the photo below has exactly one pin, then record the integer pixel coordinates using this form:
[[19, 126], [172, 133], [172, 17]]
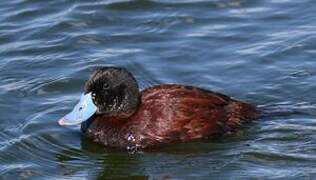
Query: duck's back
[[173, 113]]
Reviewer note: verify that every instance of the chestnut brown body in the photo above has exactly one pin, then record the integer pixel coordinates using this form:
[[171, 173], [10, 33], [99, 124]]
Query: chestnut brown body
[[168, 114]]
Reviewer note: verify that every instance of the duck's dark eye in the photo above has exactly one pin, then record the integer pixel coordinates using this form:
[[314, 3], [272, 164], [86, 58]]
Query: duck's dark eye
[[106, 86], [80, 108]]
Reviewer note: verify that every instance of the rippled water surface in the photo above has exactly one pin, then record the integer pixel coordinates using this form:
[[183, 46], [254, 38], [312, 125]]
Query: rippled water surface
[[263, 52]]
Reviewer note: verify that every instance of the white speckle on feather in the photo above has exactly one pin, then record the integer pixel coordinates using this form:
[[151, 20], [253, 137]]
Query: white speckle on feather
[[131, 138]]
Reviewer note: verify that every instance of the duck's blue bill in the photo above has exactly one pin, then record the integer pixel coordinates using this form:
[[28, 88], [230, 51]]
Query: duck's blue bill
[[81, 112]]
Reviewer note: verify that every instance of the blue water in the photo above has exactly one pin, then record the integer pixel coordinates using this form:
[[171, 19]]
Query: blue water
[[262, 52]]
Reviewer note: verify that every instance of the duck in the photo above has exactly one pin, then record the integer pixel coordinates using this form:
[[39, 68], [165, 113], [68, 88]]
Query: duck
[[113, 112]]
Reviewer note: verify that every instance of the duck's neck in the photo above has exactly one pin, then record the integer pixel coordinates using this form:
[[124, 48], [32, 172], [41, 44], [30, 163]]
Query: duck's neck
[[108, 121], [85, 125], [108, 131]]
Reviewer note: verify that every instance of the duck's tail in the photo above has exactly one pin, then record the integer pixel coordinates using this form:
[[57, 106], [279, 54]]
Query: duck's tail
[[239, 113]]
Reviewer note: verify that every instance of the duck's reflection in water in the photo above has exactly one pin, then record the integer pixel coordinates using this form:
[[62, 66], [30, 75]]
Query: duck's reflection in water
[[95, 161]]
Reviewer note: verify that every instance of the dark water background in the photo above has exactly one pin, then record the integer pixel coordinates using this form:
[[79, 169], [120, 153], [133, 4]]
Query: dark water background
[[260, 51]]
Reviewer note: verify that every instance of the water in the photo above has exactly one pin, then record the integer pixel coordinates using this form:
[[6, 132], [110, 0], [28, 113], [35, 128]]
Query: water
[[262, 52]]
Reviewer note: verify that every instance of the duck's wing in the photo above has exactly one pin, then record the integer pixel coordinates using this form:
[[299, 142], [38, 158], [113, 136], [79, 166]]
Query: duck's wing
[[183, 113]]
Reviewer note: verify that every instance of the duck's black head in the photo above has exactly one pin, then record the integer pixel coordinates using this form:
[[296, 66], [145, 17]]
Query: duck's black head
[[114, 91], [110, 91]]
